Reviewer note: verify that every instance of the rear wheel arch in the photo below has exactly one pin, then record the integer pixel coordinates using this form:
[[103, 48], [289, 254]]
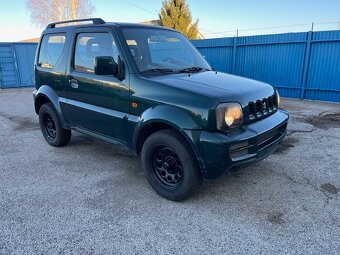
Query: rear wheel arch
[[46, 94], [43, 99], [39, 101], [51, 127]]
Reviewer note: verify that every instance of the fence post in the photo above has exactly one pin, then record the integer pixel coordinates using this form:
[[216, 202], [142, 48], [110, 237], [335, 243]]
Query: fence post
[[233, 67], [15, 62], [306, 64], [0, 75]]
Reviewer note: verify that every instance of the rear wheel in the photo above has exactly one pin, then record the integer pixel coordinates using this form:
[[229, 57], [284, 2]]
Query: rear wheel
[[170, 166], [50, 127]]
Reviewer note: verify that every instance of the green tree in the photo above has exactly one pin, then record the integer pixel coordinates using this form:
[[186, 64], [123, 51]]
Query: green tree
[[176, 14]]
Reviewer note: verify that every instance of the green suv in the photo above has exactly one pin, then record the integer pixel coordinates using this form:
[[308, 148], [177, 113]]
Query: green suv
[[149, 90]]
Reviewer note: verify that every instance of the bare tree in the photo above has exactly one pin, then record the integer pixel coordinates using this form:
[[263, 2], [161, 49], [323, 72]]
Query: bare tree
[[43, 12]]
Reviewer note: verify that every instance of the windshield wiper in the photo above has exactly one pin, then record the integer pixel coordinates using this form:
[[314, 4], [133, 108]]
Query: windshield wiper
[[193, 69], [158, 70]]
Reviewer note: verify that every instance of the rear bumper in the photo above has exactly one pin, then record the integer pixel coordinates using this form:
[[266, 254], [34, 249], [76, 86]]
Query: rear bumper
[[219, 153], [35, 92]]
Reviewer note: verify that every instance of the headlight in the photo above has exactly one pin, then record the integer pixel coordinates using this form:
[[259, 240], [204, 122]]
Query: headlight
[[278, 98], [229, 115]]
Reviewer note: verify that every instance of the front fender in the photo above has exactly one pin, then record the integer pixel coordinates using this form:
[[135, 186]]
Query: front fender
[[172, 115], [175, 117], [46, 93]]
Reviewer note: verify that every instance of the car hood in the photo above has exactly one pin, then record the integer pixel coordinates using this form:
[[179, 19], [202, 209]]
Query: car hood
[[222, 86]]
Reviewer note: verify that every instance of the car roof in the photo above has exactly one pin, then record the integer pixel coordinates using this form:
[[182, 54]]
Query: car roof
[[53, 27]]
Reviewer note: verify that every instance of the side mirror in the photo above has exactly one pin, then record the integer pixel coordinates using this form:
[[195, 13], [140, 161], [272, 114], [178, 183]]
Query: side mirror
[[105, 65]]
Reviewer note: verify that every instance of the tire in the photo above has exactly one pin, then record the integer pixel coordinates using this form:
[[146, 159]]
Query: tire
[[50, 127], [170, 166]]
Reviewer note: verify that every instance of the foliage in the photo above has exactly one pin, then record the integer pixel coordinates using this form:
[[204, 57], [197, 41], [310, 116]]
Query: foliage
[[176, 14], [43, 12]]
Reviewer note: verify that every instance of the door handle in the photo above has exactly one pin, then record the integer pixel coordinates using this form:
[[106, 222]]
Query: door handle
[[74, 83]]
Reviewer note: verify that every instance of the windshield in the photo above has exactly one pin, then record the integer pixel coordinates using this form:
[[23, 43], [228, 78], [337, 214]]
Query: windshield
[[163, 51]]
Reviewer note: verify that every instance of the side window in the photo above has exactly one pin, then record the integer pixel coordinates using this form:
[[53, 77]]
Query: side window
[[92, 45], [51, 50]]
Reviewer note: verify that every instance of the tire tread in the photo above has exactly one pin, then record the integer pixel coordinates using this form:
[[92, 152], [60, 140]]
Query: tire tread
[[64, 135], [196, 178]]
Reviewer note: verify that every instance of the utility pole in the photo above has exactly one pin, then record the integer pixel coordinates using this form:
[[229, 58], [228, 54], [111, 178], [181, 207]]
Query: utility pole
[[74, 4]]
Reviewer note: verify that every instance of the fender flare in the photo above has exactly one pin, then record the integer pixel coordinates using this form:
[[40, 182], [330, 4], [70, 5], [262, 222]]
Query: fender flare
[[175, 117], [47, 93]]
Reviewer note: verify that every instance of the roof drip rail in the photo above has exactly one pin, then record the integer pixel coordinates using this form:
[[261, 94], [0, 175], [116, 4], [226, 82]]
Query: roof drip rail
[[95, 21]]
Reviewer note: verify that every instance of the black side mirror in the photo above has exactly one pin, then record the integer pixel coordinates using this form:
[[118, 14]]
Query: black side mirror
[[105, 65]]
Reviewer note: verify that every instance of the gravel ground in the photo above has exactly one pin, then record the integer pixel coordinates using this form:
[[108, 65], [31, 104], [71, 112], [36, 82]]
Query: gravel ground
[[90, 197]]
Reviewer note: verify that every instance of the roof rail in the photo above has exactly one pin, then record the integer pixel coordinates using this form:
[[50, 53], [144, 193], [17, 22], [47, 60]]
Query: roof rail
[[96, 21]]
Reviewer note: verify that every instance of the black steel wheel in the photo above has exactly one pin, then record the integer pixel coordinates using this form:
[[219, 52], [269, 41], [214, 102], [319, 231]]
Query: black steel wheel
[[170, 166], [166, 166], [51, 128]]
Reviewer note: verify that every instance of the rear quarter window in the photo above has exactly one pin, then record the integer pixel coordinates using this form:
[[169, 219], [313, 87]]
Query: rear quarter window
[[51, 50]]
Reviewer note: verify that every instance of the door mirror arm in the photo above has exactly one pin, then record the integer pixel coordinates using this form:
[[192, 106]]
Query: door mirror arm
[[121, 69]]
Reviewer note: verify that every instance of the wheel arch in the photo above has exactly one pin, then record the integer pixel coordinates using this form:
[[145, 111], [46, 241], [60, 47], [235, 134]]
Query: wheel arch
[[44, 95], [166, 117], [39, 101]]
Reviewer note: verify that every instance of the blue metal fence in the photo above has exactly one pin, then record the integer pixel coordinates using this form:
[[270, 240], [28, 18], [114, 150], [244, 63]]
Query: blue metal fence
[[16, 64], [300, 65]]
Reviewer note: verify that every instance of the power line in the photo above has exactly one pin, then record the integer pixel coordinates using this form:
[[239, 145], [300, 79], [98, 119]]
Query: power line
[[139, 7], [261, 28], [206, 31], [265, 28]]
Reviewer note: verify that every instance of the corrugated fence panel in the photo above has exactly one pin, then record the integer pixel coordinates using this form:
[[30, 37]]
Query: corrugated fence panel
[[218, 52], [8, 68], [326, 35], [299, 65], [296, 65], [324, 69], [25, 53], [272, 63], [220, 58]]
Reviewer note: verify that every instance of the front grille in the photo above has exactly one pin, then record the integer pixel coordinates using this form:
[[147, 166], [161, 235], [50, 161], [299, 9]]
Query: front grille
[[261, 108]]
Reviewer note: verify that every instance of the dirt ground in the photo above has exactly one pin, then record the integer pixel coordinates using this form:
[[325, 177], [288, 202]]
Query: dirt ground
[[90, 197]]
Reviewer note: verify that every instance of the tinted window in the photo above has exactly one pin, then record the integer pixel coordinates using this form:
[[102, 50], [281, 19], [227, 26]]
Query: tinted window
[[51, 50], [154, 48], [92, 45], [160, 49]]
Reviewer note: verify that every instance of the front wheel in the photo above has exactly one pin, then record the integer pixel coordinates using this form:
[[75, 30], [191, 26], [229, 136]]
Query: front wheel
[[51, 128], [169, 165]]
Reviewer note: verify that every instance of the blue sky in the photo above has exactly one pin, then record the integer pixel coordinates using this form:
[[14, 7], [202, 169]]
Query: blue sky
[[216, 17]]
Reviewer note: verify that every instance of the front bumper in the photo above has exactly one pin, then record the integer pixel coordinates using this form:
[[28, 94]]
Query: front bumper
[[219, 153]]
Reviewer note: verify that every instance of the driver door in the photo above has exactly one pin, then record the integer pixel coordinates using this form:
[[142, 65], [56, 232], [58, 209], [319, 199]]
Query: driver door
[[97, 103]]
